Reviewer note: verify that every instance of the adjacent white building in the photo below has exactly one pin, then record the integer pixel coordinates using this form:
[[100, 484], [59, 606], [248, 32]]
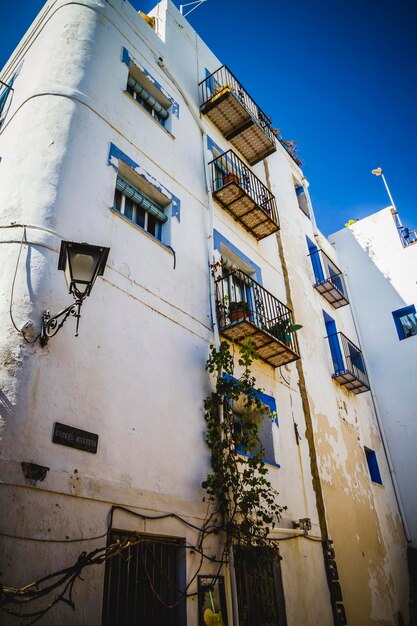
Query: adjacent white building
[[126, 132], [379, 257]]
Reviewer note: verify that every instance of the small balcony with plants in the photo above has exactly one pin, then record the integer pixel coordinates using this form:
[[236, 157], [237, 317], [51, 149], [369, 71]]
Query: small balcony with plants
[[245, 310], [243, 195], [329, 279], [228, 105], [348, 363]]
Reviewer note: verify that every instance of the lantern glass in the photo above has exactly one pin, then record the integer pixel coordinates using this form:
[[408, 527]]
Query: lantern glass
[[82, 263]]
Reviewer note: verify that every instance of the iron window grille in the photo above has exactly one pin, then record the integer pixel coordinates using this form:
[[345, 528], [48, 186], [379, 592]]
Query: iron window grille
[[143, 585], [259, 587]]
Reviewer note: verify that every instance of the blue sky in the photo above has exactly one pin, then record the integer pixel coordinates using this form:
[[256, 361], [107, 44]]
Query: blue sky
[[338, 76]]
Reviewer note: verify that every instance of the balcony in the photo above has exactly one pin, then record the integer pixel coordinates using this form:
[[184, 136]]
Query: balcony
[[349, 368], [236, 115], [329, 279], [245, 310], [243, 195]]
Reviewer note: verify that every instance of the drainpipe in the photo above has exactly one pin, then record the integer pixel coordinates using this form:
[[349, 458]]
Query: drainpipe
[[232, 571]]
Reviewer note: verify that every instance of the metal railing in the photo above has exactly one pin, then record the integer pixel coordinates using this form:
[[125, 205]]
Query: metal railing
[[326, 270], [347, 357], [222, 80], [407, 236], [240, 298], [228, 168]]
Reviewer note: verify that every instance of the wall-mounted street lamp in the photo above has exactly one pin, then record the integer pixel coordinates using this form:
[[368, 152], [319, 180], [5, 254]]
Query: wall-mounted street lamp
[[81, 263]]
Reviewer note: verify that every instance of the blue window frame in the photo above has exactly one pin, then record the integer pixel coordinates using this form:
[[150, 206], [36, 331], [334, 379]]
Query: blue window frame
[[265, 428], [405, 320], [334, 344], [373, 466], [315, 261]]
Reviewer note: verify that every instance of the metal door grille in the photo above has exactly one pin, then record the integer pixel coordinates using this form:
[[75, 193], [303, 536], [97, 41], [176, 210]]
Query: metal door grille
[[142, 585], [259, 588]]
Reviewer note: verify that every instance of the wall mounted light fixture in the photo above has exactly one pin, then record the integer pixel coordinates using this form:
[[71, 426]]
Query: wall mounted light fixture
[[81, 264]]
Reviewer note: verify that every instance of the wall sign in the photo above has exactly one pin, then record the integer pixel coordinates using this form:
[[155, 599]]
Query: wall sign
[[75, 438], [211, 601]]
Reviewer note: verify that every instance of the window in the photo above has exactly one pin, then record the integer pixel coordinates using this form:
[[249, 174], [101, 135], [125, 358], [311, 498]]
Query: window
[[373, 466], [302, 199], [405, 322], [259, 587], [265, 438], [144, 91], [5, 91], [334, 344], [137, 207], [144, 581], [268, 421]]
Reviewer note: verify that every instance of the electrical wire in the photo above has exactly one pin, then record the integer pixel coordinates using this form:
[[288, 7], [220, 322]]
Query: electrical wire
[[19, 330]]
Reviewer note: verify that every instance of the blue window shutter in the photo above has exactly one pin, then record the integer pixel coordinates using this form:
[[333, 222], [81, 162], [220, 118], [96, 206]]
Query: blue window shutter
[[315, 261], [373, 466], [334, 344]]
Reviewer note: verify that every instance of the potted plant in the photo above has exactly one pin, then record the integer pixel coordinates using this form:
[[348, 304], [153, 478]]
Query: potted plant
[[283, 329], [230, 178], [238, 311]]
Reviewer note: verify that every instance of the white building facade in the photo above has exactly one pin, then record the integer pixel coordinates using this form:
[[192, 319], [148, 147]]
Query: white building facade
[[123, 132], [379, 256]]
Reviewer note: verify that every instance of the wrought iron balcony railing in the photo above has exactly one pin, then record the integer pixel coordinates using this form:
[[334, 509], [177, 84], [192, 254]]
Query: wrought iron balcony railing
[[228, 105], [246, 310], [241, 193], [349, 367], [329, 279]]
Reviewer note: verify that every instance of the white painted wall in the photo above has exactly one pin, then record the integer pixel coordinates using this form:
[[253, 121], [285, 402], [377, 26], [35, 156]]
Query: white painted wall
[[382, 278], [135, 375]]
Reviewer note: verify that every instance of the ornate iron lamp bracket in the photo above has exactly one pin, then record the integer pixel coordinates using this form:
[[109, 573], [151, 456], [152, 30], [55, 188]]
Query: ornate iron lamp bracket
[[51, 325]]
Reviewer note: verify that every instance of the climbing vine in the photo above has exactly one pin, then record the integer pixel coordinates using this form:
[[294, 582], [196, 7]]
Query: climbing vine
[[237, 483]]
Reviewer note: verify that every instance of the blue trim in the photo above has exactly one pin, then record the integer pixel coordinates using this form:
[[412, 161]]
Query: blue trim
[[127, 58], [299, 190], [315, 261], [398, 314], [334, 344], [264, 398], [373, 466], [268, 401], [116, 155], [239, 450], [220, 239]]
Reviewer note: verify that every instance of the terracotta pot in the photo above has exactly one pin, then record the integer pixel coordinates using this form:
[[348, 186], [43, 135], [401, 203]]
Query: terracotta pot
[[238, 314], [230, 178]]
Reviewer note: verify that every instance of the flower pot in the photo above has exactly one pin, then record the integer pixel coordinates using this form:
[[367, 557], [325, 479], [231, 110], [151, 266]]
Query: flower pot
[[238, 314], [230, 178]]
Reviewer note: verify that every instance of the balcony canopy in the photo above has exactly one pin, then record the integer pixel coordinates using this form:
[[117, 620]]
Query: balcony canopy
[[228, 105]]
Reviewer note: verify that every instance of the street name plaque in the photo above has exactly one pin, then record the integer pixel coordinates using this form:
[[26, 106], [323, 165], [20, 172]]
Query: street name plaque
[[75, 438]]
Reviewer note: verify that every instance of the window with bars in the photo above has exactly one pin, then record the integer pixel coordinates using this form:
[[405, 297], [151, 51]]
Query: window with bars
[[133, 204], [259, 587], [144, 585]]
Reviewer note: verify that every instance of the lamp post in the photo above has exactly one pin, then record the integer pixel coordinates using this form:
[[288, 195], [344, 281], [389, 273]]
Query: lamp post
[[81, 264], [379, 172]]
